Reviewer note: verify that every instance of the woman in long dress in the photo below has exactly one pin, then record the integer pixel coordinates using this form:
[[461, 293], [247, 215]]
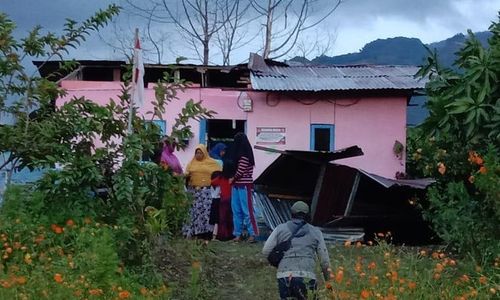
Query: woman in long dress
[[199, 172]]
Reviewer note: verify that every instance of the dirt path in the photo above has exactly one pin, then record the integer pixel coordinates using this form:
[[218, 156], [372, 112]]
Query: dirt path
[[227, 270], [239, 271]]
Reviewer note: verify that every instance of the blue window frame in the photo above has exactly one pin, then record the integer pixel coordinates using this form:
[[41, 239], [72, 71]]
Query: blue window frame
[[322, 137], [160, 123], [203, 131]]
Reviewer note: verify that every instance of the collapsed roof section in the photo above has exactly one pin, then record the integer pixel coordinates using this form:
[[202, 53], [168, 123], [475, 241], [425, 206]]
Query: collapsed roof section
[[341, 196], [232, 77]]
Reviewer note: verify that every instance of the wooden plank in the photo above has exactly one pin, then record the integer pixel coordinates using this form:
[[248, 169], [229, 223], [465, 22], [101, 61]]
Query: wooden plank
[[268, 149], [317, 190], [288, 197], [354, 190]]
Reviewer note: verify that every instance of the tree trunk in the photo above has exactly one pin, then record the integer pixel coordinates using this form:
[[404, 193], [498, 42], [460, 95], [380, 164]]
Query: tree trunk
[[205, 53], [269, 25]]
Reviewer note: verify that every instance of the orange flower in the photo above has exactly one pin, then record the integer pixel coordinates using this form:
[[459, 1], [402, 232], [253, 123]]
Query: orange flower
[[373, 280], [70, 223], [441, 168], [365, 294], [394, 275], [435, 255], [21, 280], [475, 158], [347, 243], [5, 284], [439, 268], [96, 292], [339, 276], [58, 278], [464, 278], [328, 286], [436, 276], [39, 239], [483, 280], [57, 229], [412, 285], [372, 265], [483, 170], [124, 294], [144, 291]]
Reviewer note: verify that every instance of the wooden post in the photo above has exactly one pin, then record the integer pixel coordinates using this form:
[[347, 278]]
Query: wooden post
[[317, 190]]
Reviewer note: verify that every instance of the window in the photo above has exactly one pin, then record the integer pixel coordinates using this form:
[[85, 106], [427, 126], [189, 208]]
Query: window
[[160, 123], [322, 137], [213, 131]]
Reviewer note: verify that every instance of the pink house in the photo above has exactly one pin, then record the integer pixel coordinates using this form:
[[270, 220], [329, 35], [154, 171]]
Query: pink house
[[280, 106]]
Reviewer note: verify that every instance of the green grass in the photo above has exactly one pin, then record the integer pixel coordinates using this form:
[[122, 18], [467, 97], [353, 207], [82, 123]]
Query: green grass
[[239, 271]]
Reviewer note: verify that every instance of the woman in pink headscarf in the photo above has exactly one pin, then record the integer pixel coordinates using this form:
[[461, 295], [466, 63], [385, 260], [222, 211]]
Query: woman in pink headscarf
[[169, 159]]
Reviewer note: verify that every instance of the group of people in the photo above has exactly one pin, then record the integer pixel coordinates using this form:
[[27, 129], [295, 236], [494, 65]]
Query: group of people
[[221, 186]]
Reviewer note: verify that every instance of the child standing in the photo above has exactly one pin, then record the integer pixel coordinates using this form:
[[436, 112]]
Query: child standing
[[221, 214]]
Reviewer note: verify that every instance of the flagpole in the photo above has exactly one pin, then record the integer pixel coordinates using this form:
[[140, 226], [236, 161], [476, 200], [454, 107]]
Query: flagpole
[[134, 86]]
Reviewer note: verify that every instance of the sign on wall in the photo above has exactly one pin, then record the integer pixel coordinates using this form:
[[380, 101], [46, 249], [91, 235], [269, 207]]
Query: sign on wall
[[271, 136]]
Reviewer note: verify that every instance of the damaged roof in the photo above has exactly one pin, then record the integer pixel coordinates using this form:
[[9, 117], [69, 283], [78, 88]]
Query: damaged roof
[[266, 76]]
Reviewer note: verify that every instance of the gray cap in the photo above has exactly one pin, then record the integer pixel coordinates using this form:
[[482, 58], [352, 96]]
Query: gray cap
[[300, 207]]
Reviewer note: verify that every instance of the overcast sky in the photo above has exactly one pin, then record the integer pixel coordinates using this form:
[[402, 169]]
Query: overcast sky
[[355, 23]]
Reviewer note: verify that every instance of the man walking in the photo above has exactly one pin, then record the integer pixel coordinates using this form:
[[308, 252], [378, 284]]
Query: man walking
[[295, 274]]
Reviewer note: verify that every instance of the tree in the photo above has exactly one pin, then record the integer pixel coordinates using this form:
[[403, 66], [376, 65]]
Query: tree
[[230, 37], [21, 92], [287, 20], [198, 20], [459, 145], [45, 133]]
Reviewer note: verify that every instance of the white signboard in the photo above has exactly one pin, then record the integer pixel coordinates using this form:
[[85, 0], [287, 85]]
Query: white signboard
[[271, 136]]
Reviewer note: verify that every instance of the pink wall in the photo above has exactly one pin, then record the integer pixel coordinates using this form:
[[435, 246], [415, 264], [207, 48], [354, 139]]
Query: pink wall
[[371, 123]]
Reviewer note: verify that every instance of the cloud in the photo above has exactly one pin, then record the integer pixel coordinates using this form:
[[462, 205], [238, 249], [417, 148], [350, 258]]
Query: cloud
[[355, 23], [50, 14]]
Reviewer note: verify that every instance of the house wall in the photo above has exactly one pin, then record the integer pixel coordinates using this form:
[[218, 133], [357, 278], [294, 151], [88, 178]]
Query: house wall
[[371, 123]]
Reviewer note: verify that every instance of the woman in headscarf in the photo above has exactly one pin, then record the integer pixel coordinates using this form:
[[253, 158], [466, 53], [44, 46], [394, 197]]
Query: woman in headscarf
[[242, 185], [169, 159], [218, 151], [199, 172]]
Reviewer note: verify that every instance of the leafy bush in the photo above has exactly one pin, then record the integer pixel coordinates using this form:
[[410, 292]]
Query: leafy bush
[[71, 259], [459, 145]]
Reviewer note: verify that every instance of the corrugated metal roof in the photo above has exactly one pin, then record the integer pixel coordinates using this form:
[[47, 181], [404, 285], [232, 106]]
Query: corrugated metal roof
[[332, 78]]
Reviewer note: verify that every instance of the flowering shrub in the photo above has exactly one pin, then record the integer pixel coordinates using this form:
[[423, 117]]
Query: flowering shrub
[[458, 145], [387, 272], [72, 259]]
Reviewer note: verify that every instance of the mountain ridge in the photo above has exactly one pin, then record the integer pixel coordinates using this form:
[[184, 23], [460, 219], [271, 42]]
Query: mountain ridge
[[398, 51]]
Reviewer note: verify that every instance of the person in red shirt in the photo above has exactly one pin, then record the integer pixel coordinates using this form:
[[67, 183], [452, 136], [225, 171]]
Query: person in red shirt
[[221, 215]]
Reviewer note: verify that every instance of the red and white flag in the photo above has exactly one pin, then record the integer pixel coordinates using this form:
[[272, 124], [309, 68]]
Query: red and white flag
[[138, 74]]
